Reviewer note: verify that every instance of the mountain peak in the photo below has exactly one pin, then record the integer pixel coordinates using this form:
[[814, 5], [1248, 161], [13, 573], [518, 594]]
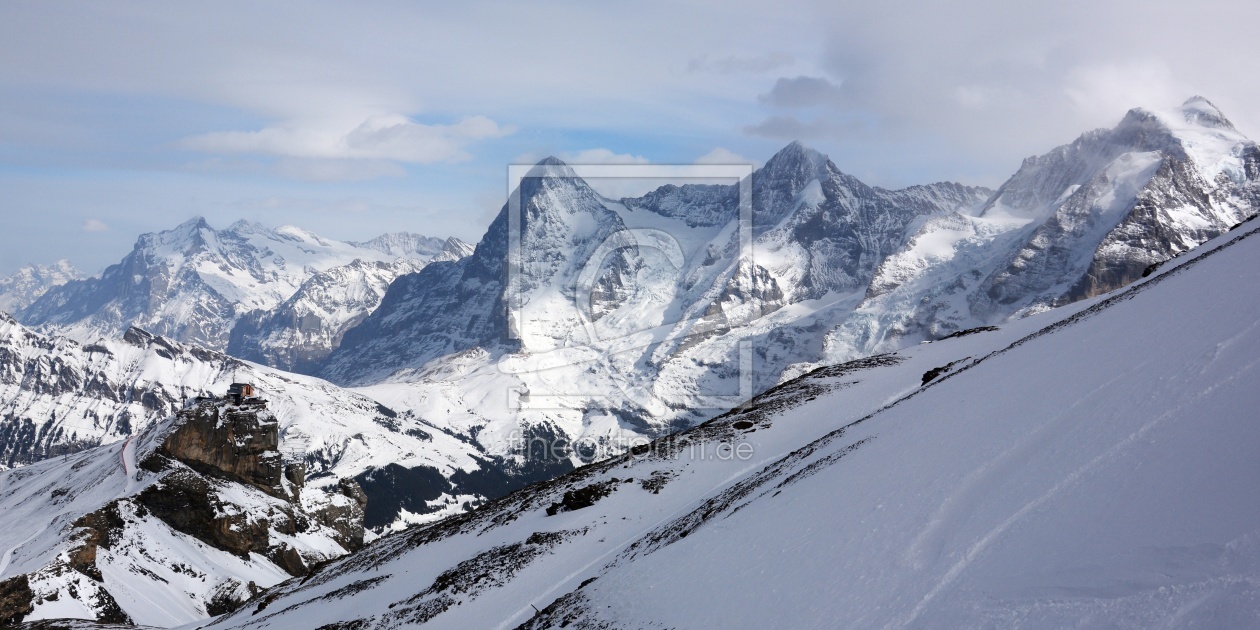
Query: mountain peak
[[32, 281], [195, 223], [403, 244], [551, 166], [185, 237], [796, 157], [1200, 111], [456, 247], [245, 226]]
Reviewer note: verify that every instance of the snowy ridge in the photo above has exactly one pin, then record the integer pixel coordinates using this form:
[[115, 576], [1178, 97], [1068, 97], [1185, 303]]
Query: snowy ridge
[[192, 283], [404, 245], [32, 281], [1078, 221], [298, 333], [1089, 465]]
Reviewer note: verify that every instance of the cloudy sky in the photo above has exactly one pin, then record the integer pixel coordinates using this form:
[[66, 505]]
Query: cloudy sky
[[352, 119]]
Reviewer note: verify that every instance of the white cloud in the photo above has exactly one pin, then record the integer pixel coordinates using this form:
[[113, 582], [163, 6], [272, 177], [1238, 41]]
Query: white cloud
[[721, 155], [381, 137], [603, 156], [1111, 87], [322, 170], [95, 225]]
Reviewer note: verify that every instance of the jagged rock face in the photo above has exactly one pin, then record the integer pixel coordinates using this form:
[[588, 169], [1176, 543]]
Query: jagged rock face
[[345, 517], [448, 308], [240, 444], [58, 397], [1172, 215], [845, 229], [15, 600], [237, 443], [193, 283], [697, 205], [837, 236]]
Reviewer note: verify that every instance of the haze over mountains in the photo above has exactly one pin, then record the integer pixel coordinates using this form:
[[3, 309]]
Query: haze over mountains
[[428, 375]]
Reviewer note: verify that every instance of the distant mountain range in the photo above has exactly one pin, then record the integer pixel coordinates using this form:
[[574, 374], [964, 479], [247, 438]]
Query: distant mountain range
[[27, 284], [295, 292], [836, 270], [629, 319]]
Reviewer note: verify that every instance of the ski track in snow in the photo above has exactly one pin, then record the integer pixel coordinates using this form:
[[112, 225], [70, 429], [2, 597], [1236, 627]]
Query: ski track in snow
[[1072, 479], [927, 546], [8, 555]]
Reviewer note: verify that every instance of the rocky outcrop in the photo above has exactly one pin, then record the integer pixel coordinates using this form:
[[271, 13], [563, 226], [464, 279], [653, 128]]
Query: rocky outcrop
[[200, 509], [239, 444], [345, 517], [15, 600], [234, 443]]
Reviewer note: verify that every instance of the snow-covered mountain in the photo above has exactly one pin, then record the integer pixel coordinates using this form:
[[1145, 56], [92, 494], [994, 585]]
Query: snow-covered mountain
[[300, 331], [30, 282], [404, 245], [1082, 219], [662, 334], [634, 318], [629, 319], [1093, 465], [193, 283]]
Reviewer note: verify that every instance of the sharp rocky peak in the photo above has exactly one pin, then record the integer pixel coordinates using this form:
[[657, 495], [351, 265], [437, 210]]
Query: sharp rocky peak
[[187, 236], [796, 158], [551, 166]]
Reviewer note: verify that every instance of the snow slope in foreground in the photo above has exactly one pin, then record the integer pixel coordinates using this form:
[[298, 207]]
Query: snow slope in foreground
[[1091, 466]]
